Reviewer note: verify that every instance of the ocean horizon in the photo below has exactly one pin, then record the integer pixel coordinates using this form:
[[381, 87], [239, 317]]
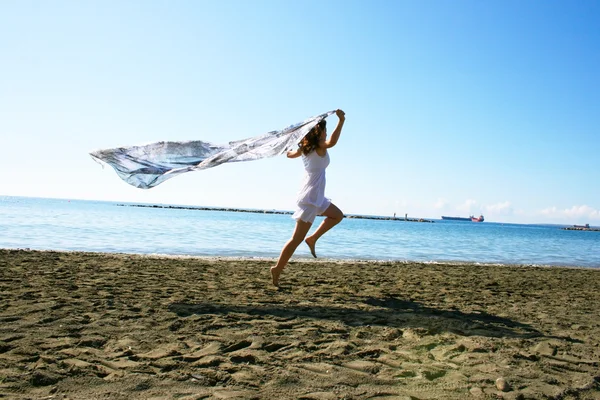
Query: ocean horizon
[[187, 230]]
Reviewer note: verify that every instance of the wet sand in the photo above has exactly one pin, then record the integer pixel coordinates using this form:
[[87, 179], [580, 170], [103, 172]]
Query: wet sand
[[100, 326]]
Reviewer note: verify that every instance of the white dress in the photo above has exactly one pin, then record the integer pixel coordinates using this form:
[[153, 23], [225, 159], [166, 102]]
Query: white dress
[[311, 198]]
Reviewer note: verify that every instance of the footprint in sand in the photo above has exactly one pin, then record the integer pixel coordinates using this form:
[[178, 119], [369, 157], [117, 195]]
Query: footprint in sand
[[237, 346]]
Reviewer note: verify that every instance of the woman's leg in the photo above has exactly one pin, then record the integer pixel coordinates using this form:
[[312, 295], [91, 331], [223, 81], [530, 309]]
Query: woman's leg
[[334, 216], [288, 250]]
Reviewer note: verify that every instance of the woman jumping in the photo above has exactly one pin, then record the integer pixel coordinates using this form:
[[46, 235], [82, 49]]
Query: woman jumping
[[311, 198]]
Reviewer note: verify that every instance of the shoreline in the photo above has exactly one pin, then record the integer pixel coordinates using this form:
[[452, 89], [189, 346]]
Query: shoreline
[[114, 326], [306, 259]]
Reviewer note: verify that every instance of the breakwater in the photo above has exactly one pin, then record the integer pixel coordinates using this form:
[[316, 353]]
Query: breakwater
[[249, 210], [581, 228]]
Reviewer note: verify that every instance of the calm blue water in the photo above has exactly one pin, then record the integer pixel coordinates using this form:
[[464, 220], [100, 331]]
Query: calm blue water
[[105, 227]]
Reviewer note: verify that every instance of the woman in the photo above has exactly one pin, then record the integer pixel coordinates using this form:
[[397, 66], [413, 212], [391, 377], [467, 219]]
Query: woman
[[311, 199]]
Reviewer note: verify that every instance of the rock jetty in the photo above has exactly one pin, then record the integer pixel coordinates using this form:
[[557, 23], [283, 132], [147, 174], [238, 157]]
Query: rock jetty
[[585, 227], [249, 210]]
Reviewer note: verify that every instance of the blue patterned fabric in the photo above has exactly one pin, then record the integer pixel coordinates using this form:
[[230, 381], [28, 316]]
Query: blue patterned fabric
[[149, 165]]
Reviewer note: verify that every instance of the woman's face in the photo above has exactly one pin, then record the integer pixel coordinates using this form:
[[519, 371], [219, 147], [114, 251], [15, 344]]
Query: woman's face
[[323, 135]]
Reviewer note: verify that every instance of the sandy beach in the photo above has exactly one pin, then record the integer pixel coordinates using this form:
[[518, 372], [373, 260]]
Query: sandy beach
[[101, 326]]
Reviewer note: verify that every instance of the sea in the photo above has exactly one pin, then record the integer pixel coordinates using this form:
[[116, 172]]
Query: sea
[[117, 227]]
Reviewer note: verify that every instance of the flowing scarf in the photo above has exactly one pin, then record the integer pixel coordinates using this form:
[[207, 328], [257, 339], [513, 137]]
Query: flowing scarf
[[150, 165]]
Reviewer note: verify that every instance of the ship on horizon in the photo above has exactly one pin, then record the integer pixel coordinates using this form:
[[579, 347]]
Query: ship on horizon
[[471, 218]]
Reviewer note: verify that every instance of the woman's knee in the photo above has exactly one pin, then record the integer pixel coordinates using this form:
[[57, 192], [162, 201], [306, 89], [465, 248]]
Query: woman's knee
[[334, 213]]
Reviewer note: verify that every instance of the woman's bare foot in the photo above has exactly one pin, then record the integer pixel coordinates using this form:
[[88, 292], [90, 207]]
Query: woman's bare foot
[[311, 246], [275, 272]]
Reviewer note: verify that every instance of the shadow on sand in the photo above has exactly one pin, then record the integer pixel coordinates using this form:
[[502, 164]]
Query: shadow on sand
[[388, 311]]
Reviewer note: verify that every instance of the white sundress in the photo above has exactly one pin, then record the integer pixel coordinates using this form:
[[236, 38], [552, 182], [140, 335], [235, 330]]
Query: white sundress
[[311, 198]]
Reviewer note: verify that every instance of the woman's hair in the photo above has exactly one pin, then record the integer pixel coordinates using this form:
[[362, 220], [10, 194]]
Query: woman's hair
[[311, 141]]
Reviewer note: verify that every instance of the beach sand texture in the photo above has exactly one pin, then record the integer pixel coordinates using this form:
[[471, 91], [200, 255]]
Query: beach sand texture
[[101, 326]]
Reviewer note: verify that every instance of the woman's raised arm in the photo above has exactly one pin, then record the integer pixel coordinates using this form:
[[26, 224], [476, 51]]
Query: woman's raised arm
[[333, 139]]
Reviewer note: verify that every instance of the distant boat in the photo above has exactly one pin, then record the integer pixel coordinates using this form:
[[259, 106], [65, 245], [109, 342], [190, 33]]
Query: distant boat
[[480, 219], [471, 218], [456, 218], [586, 226]]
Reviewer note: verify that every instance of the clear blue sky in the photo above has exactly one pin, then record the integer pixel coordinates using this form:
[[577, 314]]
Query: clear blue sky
[[453, 107]]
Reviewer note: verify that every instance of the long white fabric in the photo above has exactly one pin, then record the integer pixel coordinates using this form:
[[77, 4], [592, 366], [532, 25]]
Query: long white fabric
[[149, 165]]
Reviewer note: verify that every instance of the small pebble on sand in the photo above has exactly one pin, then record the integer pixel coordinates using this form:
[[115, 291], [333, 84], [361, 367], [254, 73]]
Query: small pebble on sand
[[502, 385]]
